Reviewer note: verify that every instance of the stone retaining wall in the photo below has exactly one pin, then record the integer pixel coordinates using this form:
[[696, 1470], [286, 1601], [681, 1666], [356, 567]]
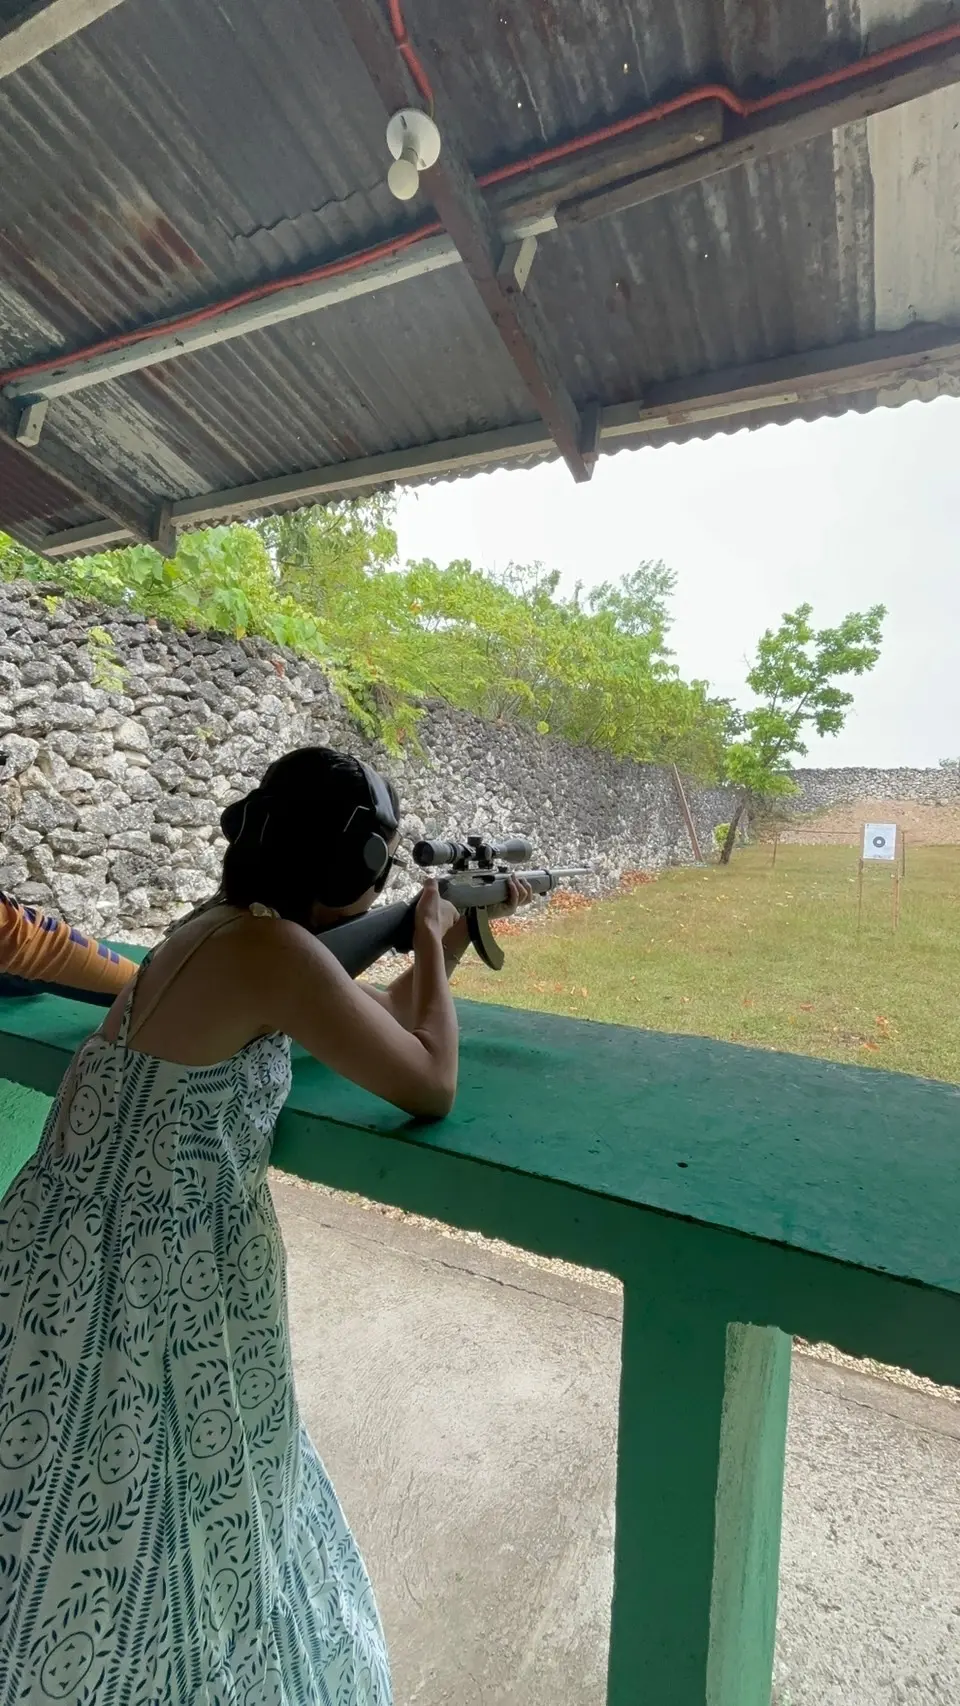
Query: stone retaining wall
[[125, 738], [822, 788]]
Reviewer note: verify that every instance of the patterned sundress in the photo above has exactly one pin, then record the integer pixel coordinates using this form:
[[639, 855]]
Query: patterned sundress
[[168, 1534]]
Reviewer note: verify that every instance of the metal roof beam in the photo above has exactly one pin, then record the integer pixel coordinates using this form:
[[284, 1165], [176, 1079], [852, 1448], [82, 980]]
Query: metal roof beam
[[870, 364], [747, 140], [76, 474], [431, 255], [460, 207], [44, 25]]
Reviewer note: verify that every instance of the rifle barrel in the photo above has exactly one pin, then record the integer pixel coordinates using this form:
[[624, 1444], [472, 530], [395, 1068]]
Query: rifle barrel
[[468, 891]]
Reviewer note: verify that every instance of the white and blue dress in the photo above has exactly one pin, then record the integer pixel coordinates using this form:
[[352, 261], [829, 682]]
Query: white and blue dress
[[168, 1534]]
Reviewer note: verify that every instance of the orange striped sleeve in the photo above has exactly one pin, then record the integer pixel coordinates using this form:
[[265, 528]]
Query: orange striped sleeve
[[34, 945]]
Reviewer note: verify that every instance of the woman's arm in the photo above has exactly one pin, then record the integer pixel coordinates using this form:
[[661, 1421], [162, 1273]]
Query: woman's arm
[[36, 946], [309, 996], [397, 997]]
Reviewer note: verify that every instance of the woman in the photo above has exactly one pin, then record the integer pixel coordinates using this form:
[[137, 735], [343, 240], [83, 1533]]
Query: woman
[[168, 1535]]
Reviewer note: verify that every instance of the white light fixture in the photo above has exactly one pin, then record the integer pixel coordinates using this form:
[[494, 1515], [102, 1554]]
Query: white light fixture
[[414, 141]]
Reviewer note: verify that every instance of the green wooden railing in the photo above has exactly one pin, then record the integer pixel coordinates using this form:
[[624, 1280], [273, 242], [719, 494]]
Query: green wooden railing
[[741, 1196]]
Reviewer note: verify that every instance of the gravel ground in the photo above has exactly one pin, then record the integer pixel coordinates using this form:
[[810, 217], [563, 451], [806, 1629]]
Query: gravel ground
[[607, 1282], [923, 825]]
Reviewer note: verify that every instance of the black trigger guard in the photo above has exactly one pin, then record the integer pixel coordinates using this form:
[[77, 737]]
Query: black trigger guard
[[483, 939]]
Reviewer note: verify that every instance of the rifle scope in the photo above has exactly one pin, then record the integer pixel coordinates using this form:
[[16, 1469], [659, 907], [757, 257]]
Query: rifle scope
[[475, 851]]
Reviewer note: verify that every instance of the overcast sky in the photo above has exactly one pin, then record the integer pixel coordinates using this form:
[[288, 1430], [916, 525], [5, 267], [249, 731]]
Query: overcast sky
[[841, 514]]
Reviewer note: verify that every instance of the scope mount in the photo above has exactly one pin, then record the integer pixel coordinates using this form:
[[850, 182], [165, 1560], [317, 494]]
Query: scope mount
[[482, 854]]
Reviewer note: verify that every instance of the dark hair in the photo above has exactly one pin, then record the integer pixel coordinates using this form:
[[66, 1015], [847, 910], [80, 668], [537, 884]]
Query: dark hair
[[299, 837]]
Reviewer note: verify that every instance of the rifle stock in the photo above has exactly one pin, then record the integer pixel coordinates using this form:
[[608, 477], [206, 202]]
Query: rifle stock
[[14, 986], [361, 941], [357, 944]]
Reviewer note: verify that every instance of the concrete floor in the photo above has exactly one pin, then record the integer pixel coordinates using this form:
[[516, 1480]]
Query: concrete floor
[[465, 1404]]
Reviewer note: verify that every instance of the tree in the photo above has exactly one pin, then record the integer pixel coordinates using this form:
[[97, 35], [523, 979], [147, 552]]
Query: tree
[[794, 678], [318, 551], [505, 645], [639, 603]]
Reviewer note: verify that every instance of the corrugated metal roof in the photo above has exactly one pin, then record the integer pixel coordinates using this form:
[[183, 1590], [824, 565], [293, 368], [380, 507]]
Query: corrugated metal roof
[[330, 387], [34, 502], [524, 73], [171, 154], [664, 291]]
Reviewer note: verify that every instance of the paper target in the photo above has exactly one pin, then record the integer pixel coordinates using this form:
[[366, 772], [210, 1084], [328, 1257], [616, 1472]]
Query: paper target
[[880, 841]]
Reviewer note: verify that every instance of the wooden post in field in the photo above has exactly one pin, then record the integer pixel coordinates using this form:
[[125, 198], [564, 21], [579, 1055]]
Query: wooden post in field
[[859, 895], [898, 875], [688, 820], [776, 844]]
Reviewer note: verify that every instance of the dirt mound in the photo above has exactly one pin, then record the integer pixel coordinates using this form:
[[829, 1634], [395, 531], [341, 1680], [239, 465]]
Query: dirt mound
[[841, 825]]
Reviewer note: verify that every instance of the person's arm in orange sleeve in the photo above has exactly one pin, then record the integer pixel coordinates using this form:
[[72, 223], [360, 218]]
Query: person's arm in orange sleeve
[[46, 950]]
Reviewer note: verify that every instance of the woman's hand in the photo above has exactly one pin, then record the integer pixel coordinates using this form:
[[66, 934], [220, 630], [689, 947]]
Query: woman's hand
[[519, 893], [434, 917], [437, 919]]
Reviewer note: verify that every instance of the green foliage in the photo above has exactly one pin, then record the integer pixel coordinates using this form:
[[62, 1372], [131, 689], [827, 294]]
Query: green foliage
[[221, 578], [720, 833], [505, 646], [17, 563], [108, 671], [593, 668], [795, 678], [639, 603], [319, 552]]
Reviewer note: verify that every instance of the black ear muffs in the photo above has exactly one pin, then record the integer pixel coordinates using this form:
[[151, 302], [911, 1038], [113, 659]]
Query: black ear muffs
[[375, 851], [375, 855], [247, 817]]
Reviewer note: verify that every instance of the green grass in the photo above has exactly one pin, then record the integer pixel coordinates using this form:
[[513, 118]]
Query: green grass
[[761, 955]]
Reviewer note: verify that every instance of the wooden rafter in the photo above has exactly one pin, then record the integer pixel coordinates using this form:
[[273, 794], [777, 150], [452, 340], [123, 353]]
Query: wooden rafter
[[44, 25], [461, 208], [789, 126]]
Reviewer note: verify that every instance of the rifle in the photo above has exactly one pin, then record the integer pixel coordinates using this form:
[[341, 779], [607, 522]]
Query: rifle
[[480, 874]]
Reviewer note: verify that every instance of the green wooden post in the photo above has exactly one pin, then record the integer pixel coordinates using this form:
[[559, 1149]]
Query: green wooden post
[[746, 1560], [703, 1414]]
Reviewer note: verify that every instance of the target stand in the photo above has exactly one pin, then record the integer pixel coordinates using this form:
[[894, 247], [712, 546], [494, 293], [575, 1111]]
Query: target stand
[[883, 844]]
